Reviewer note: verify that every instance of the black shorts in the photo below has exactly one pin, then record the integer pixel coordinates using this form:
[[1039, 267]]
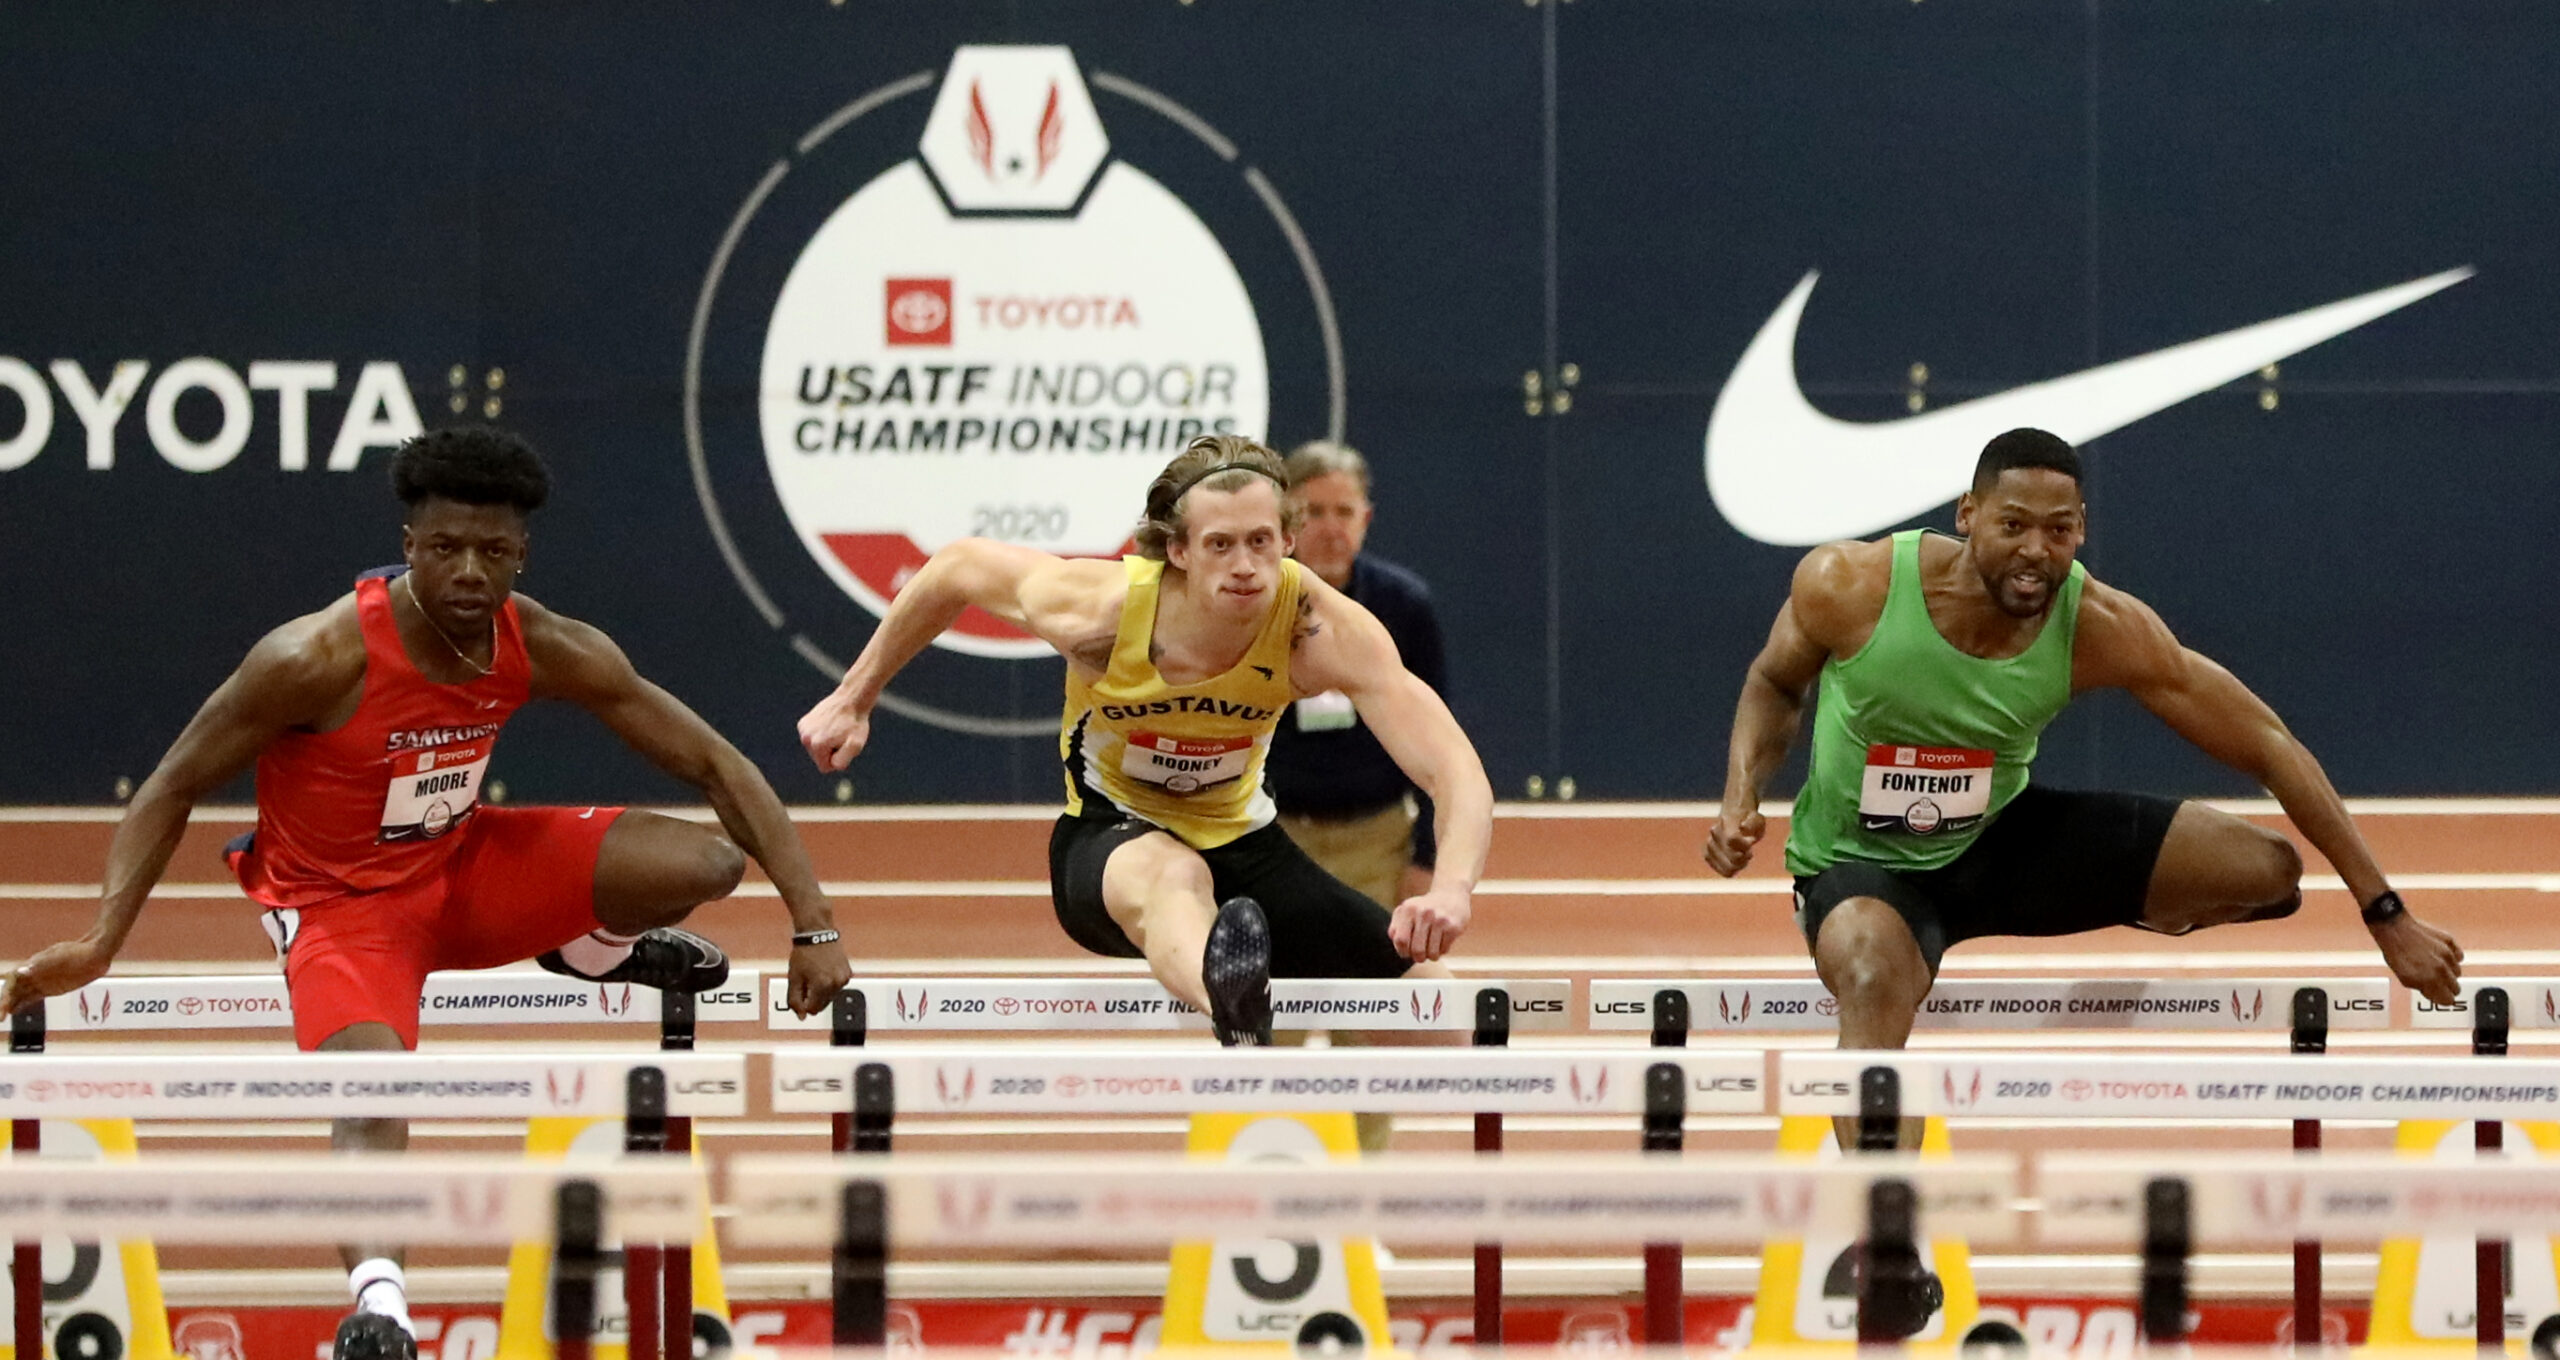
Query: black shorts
[[1320, 928], [2053, 863]]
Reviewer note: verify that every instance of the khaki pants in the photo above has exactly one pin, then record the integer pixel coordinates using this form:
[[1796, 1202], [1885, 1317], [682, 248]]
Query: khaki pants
[[1371, 854]]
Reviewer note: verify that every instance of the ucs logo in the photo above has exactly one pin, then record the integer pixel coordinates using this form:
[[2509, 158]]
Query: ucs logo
[[2256, 1006], [1961, 1095], [955, 1088], [1731, 1013], [1431, 1014]]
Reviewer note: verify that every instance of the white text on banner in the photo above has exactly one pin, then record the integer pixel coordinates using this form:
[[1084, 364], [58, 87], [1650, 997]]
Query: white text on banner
[[71, 1084], [1074, 1201], [2256, 1199], [2203, 1085], [1097, 1079], [276, 1199], [1083, 1004], [258, 1001], [1789, 1005]]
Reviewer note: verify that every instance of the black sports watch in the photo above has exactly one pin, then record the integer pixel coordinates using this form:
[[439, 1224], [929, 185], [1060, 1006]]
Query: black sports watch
[[2385, 909]]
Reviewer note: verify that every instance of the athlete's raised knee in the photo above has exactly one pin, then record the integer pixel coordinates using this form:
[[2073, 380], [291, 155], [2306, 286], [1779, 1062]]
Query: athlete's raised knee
[[1867, 957], [722, 866]]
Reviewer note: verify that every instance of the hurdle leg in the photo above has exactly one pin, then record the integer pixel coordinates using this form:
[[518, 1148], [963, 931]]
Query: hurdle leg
[[644, 1132], [2489, 1023], [1493, 1030], [2310, 1035], [675, 1288], [26, 1259], [861, 1265], [577, 1250], [2168, 1238], [1666, 1115]]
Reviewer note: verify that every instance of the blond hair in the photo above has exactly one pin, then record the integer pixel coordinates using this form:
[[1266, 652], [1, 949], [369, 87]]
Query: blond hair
[[1217, 462]]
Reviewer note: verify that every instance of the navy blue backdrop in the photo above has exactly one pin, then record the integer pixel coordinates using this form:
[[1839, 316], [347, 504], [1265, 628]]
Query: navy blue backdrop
[[518, 205]]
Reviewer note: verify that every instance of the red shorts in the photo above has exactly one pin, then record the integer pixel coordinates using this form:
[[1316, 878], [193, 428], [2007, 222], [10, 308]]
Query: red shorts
[[520, 883]]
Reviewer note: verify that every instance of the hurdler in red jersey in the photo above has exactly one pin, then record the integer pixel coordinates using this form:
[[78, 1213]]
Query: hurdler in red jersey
[[371, 722], [375, 857]]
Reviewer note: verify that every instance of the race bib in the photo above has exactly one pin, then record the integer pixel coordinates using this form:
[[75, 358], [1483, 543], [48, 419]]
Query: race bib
[[1923, 790], [1185, 764], [433, 789], [1330, 711]]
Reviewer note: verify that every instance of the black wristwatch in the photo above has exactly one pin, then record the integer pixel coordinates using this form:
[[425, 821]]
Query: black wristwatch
[[2385, 909]]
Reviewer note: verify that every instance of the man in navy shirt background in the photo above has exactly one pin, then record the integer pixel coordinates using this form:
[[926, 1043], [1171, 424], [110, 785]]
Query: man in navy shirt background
[[1341, 797]]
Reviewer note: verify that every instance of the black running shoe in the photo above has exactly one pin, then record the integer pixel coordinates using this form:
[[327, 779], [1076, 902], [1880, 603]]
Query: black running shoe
[[1236, 969], [668, 959], [371, 1336]]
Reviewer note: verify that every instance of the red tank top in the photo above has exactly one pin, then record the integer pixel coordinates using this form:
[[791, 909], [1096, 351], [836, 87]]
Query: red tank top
[[374, 803]]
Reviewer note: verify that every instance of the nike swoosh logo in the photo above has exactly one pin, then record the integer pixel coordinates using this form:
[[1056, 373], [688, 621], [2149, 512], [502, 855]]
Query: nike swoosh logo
[[1785, 473], [589, 813]]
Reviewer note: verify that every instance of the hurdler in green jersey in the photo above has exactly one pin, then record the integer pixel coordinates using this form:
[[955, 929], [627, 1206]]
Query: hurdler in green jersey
[[1939, 662]]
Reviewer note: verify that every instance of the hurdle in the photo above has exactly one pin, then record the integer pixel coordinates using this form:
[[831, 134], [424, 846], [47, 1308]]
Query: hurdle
[[2183, 1201], [1489, 1082], [421, 1199], [2304, 1008], [646, 1090], [1488, 1009], [861, 1207], [2298, 1087]]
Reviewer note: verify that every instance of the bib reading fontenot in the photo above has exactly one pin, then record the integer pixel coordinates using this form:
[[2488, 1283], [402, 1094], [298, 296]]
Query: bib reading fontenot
[[1917, 745]]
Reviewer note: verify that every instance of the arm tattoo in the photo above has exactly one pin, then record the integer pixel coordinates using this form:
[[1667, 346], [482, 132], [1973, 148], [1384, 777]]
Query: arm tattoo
[[1308, 624]]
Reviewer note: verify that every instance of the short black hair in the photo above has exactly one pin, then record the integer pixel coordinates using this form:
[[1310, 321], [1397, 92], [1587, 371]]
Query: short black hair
[[2024, 448], [472, 464]]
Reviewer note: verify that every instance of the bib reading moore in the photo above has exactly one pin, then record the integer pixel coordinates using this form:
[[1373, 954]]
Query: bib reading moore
[[1918, 745]]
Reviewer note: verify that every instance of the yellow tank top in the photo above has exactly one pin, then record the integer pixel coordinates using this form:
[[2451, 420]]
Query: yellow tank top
[[1187, 758]]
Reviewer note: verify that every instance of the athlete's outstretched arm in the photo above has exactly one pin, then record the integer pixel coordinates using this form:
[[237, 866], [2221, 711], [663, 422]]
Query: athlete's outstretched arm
[[1045, 595], [290, 678], [2123, 644], [1342, 646], [577, 662], [1771, 710]]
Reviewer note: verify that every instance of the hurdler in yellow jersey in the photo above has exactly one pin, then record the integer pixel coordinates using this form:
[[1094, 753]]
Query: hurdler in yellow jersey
[[1180, 661]]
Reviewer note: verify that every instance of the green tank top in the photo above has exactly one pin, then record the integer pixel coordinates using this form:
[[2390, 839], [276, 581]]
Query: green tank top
[[1916, 745]]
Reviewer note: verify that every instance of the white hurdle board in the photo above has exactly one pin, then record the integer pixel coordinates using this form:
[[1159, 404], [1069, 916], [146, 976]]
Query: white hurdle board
[[72, 1085], [1029, 1078], [2532, 1003], [410, 1198], [1798, 1004], [2260, 1198], [258, 1001], [1031, 1004], [2170, 1086], [1064, 1201]]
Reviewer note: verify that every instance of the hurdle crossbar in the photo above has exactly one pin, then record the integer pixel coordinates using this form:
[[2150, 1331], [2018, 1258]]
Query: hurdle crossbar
[[415, 1198], [2256, 1198], [360, 1085], [1032, 1004], [1139, 1201], [2532, 1003], [258, 1001], [2166, 1086], [1031, 1078], [1779, 1005]]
